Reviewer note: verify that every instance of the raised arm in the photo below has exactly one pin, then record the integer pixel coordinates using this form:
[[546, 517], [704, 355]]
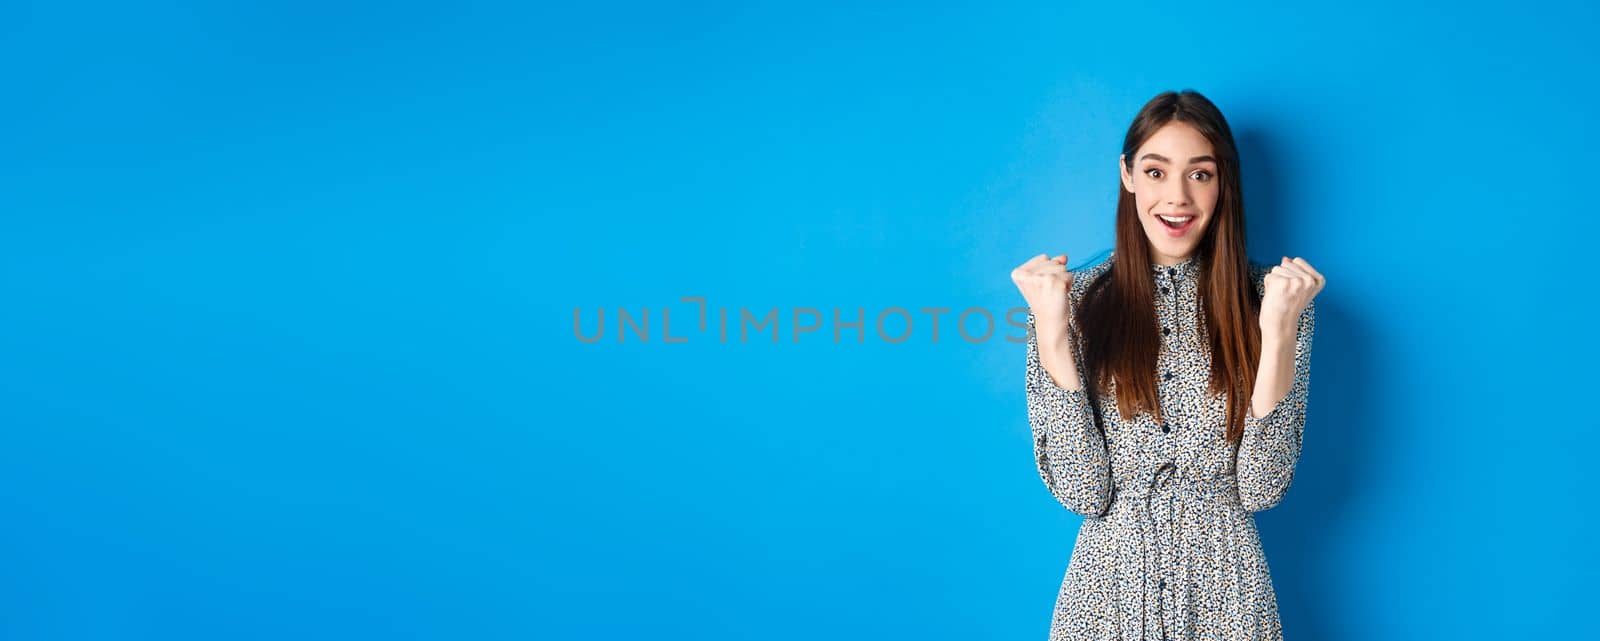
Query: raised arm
[[1270, 449], [1068, 444]]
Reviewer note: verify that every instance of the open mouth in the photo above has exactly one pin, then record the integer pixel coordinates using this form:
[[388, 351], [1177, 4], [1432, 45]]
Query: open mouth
[[1177, 225]]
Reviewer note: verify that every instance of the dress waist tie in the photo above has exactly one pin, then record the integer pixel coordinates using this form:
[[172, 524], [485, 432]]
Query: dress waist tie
[[1159, 502]]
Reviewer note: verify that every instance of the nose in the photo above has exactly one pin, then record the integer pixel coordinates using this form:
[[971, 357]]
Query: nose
[[1178, 193]]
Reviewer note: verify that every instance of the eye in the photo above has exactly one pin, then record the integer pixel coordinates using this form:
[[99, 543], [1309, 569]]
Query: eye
[[1202, 172], [1154, 169]]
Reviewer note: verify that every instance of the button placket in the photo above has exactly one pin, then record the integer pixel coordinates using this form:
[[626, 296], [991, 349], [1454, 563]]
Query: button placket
[[1172, 288]]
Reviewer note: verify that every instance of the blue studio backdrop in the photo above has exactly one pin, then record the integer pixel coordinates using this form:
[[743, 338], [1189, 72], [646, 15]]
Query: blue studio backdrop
[[296, 298]]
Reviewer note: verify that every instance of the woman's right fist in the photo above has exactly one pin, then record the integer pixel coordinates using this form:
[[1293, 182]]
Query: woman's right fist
[[1044, 283]]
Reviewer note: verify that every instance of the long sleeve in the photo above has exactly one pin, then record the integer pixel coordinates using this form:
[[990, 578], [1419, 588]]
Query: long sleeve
[[1270, 448], [1068, 444]]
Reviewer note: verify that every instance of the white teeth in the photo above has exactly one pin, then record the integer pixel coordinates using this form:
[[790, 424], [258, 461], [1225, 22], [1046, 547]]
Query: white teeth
[[1176, 221]]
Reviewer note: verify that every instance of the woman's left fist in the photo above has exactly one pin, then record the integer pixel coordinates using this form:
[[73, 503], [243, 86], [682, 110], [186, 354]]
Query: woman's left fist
[[1290, 286]]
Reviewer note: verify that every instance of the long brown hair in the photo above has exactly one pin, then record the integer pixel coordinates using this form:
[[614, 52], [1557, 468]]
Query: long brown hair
[[1117, 313]]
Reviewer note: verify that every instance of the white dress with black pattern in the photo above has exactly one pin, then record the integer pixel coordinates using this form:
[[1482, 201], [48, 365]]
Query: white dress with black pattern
[[1168, 547]]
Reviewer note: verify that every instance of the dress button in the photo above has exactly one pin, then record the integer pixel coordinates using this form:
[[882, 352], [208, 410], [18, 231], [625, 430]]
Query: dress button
[[1172, 272], [1164, 289], [1162, 585], [1167, 375], [1166, 428], [1167, 331]]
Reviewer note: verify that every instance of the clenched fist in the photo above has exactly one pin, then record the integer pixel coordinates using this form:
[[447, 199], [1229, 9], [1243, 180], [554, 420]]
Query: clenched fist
[[1290, 286], [1044, 282]]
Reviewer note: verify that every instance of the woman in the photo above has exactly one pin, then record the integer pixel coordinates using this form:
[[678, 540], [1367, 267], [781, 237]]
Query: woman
[[1166, 388]]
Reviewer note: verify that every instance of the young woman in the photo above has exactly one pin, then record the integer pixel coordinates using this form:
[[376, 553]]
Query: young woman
[[1166, 387]]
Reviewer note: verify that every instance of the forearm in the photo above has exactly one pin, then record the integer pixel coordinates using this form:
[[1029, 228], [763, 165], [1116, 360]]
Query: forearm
[[1055, 356], [1275, 374]]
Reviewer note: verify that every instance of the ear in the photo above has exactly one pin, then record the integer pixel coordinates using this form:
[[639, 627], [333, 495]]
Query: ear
[[1122, 169]]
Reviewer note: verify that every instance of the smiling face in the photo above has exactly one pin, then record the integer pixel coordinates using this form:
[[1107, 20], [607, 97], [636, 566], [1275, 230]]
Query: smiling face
[[1175, 185]]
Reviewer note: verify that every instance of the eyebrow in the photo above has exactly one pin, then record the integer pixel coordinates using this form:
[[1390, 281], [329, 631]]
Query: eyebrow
[[1166, 160]]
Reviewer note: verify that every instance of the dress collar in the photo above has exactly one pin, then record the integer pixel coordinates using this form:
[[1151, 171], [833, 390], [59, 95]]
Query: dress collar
[[1185, 269]]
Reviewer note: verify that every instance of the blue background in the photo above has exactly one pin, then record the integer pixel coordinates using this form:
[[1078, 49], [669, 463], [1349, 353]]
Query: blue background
[[288, 346]]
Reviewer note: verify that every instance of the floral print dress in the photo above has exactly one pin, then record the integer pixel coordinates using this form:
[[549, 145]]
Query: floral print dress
[[1168, 547]]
